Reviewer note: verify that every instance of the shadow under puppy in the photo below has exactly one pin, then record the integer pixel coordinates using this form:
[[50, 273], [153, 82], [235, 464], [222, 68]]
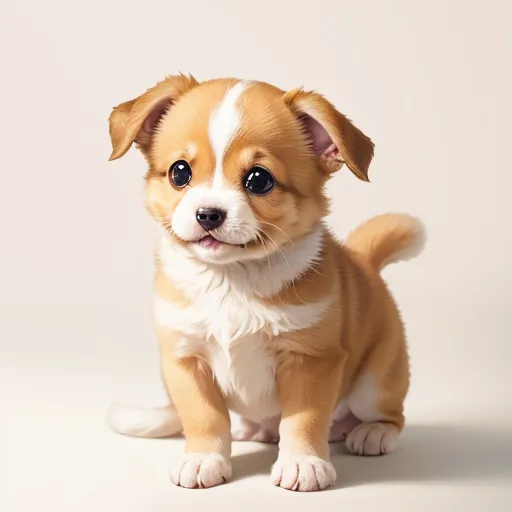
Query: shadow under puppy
[[258, 309]]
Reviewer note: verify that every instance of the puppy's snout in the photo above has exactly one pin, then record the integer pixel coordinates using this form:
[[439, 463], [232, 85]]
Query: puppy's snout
[[210, 218]]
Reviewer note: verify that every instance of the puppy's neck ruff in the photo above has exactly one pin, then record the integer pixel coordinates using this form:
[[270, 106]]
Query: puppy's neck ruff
[[228, 315], [262, 278]]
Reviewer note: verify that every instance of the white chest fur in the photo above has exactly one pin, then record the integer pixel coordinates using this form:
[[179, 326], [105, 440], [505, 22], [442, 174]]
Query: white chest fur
[[228, 324]]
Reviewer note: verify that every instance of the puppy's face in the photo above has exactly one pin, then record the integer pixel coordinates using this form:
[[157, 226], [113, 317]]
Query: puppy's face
[[237, 169]]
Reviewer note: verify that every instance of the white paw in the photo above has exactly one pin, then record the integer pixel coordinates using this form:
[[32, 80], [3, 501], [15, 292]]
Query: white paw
[[196, 470], [303, 473], [372, 439]]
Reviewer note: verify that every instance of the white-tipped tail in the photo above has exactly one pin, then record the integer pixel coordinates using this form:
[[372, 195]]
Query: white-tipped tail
[[388, 238], [143, 422]]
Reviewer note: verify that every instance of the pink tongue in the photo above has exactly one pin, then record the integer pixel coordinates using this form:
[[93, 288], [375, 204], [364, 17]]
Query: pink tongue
[[209, 242]]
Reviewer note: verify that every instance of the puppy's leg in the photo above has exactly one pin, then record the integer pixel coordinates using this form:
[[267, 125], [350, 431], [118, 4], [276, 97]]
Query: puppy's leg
[[308, 388], [206, 423], [378, 403]]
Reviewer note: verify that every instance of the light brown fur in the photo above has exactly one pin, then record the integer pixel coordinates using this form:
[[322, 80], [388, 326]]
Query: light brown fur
[[360, 335]]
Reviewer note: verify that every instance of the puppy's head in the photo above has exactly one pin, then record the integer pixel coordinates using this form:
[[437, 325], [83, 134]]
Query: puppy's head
[[237, 169]]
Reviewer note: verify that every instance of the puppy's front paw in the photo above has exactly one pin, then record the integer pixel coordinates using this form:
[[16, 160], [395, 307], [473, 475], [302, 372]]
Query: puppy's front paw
[[199, 470], [303, 473]]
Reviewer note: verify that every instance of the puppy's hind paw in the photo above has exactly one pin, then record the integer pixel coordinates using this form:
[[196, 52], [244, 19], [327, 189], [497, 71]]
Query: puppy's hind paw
[[372, 439]]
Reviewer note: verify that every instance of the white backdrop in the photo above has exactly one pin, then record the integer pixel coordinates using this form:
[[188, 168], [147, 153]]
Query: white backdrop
[[428, 81]]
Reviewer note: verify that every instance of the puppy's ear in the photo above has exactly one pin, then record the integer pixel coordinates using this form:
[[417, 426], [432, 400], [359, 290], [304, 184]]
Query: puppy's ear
[[333, 138], [136, 120]]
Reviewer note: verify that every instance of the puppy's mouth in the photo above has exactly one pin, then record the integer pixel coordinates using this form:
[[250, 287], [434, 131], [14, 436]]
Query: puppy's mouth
[[210, 242]]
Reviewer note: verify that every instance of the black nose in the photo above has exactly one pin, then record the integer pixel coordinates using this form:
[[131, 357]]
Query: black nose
[[210, 218]]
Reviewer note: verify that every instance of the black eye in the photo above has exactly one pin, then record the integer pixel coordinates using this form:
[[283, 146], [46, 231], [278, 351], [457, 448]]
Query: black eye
[[180, 173], [258, 181]]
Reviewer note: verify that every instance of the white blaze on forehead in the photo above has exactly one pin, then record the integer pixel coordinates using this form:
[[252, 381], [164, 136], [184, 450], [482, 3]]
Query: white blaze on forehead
[[224, 124]]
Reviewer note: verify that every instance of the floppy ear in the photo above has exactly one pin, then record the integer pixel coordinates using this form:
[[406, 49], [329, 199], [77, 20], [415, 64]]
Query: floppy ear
[[136, 120], [334, 139]]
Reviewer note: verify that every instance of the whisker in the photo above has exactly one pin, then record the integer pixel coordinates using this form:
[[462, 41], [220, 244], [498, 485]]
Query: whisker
[[287, 262], [277, 227], [263, 232], [260, 238]]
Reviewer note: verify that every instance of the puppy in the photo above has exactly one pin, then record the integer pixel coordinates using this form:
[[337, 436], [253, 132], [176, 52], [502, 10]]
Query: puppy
[[259, 311]]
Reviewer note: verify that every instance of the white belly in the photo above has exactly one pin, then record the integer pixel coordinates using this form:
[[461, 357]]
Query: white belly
[[246, 375]]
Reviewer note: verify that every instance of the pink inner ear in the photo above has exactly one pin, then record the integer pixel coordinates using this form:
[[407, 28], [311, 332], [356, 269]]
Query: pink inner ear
[[321, 141], [155, 115]]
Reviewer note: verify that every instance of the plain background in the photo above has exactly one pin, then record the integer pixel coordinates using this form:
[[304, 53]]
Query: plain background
[[429, 81]]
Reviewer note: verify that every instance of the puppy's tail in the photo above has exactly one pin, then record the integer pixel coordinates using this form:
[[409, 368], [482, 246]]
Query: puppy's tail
[[143, 422], [387, 239]]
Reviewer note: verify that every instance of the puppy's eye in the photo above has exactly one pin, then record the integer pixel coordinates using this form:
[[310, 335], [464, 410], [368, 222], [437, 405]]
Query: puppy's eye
[[258, 181], [180, 173]]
